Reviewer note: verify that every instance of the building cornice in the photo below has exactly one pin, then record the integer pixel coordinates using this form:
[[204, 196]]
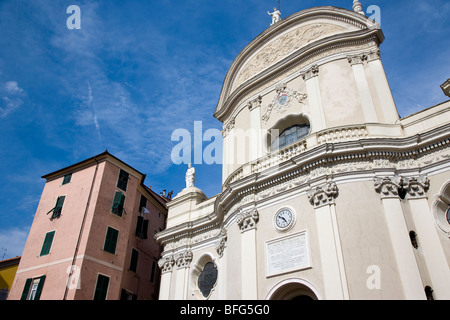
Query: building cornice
[[339, 161]]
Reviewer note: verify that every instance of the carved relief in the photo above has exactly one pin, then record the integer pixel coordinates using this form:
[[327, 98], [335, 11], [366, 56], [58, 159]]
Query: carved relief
[[322, 196], [184, 259], [248, 220], [388, 187], [283, 46], [282, 101], [220, 248], [166, 264], [416, 188]]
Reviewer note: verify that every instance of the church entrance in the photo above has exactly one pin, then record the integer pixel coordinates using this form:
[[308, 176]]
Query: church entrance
[[293, 289]]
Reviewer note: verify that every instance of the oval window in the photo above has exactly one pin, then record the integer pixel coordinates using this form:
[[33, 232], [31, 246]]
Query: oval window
[[448, 215], [207, 279]]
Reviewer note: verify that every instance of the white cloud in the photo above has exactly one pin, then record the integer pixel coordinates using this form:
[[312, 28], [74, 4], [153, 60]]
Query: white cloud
[[11, 98], [13, 240]]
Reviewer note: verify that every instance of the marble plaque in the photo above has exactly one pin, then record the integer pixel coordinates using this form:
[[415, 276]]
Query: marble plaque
[[287, 254]]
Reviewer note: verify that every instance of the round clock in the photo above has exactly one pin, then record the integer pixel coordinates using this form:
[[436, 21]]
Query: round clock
[[284, 219]]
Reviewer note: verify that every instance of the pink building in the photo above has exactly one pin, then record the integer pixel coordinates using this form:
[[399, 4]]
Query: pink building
[[93, 236]]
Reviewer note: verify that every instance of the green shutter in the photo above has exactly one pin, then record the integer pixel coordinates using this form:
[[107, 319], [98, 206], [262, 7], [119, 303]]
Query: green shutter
[[26, 289], [58, 208], [122, 182], [47, 243], [118, 203], [102, 287], [39, 288], [111, 240]]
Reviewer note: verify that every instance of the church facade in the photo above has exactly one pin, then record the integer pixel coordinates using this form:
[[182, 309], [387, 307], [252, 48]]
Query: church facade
[[327, 193]]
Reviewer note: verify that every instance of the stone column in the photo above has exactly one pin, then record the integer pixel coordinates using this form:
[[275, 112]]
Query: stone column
[[247, 222], [183, 261], [229, 148], [311, 77], [166, 265], [406, 262], [428, 239], [335, 280], [368, 106], [256, 148], [220, 249]]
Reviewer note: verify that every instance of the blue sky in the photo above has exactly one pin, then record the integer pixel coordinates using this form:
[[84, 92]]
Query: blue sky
[[137, 70]]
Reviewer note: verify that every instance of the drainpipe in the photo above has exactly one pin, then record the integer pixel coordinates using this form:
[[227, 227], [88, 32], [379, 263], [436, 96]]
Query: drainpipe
[[81, 229]]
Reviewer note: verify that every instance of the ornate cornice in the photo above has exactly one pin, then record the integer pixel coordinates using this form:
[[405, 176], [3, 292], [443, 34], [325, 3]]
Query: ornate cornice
[[334, 161]]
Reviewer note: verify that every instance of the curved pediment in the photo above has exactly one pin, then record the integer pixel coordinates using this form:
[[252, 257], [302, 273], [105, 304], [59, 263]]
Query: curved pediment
[[284, 42]]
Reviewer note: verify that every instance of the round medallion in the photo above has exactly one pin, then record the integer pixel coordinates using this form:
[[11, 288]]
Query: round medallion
[[284, 219]]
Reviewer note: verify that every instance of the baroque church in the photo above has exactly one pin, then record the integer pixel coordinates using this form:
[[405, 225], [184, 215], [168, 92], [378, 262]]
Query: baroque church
[[326, 192]]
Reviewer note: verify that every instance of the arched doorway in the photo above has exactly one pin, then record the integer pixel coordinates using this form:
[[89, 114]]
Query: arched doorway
[[293, 289]]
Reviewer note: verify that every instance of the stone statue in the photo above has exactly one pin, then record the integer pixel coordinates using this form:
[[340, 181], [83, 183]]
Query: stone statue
[[190, 176], [276, 15]]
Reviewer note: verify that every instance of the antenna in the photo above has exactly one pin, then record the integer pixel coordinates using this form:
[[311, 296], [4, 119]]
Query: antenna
[[4, 253], [279, 6]]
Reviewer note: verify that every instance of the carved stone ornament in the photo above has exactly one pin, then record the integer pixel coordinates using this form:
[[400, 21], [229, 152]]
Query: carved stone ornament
[[388, 187], [184, 259], [310, 73], [357, 59], [282, 100], [166, 264], [323, 196], [255, 103], [220, 248], [416, 188], [248, 220]]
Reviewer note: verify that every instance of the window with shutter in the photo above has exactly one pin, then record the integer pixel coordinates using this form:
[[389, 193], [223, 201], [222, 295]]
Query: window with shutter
[[33, 288], [111, 240], [47, 243], [67, 179], [141, 228], [56, 211], [118, 204], [122, 182], [101, 289], [134, 260]]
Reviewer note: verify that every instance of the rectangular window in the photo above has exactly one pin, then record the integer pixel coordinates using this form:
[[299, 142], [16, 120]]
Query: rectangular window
[[118, 204], [141, 228], [134, 260], [122, 182], [56, 211], [111, 240], [152, 275], [101, 289], [33, 288], [67, 179], [47, 243], [127, 296], [143, 203]]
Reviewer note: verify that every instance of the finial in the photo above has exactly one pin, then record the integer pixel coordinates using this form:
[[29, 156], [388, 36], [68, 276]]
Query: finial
[[357, 7]]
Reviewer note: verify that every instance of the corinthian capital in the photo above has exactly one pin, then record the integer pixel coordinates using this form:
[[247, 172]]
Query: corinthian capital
[[324, 195], [184, 259], [311, 72], [166, 264], [388, 187], [416, 188], [248, 220], [356, 59]]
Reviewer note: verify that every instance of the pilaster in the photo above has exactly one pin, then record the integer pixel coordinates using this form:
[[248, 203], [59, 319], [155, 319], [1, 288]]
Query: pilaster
[[428, 239], [166, 265], [368, 106], [247, 222], [183, 261], [323, 200], [311, 77], [408, 270]]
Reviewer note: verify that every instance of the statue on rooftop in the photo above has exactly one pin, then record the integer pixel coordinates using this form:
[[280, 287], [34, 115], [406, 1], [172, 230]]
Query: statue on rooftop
[[190, 176], [276, 15]]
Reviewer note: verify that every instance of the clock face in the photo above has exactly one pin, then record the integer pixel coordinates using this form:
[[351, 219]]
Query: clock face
[[284, 219]]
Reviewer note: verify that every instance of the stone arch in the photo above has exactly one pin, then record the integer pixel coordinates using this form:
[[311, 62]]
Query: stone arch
[[440, 209], [293, 289]]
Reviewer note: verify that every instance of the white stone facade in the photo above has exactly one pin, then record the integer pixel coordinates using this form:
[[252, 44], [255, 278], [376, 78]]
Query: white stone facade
[[366, 193]]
